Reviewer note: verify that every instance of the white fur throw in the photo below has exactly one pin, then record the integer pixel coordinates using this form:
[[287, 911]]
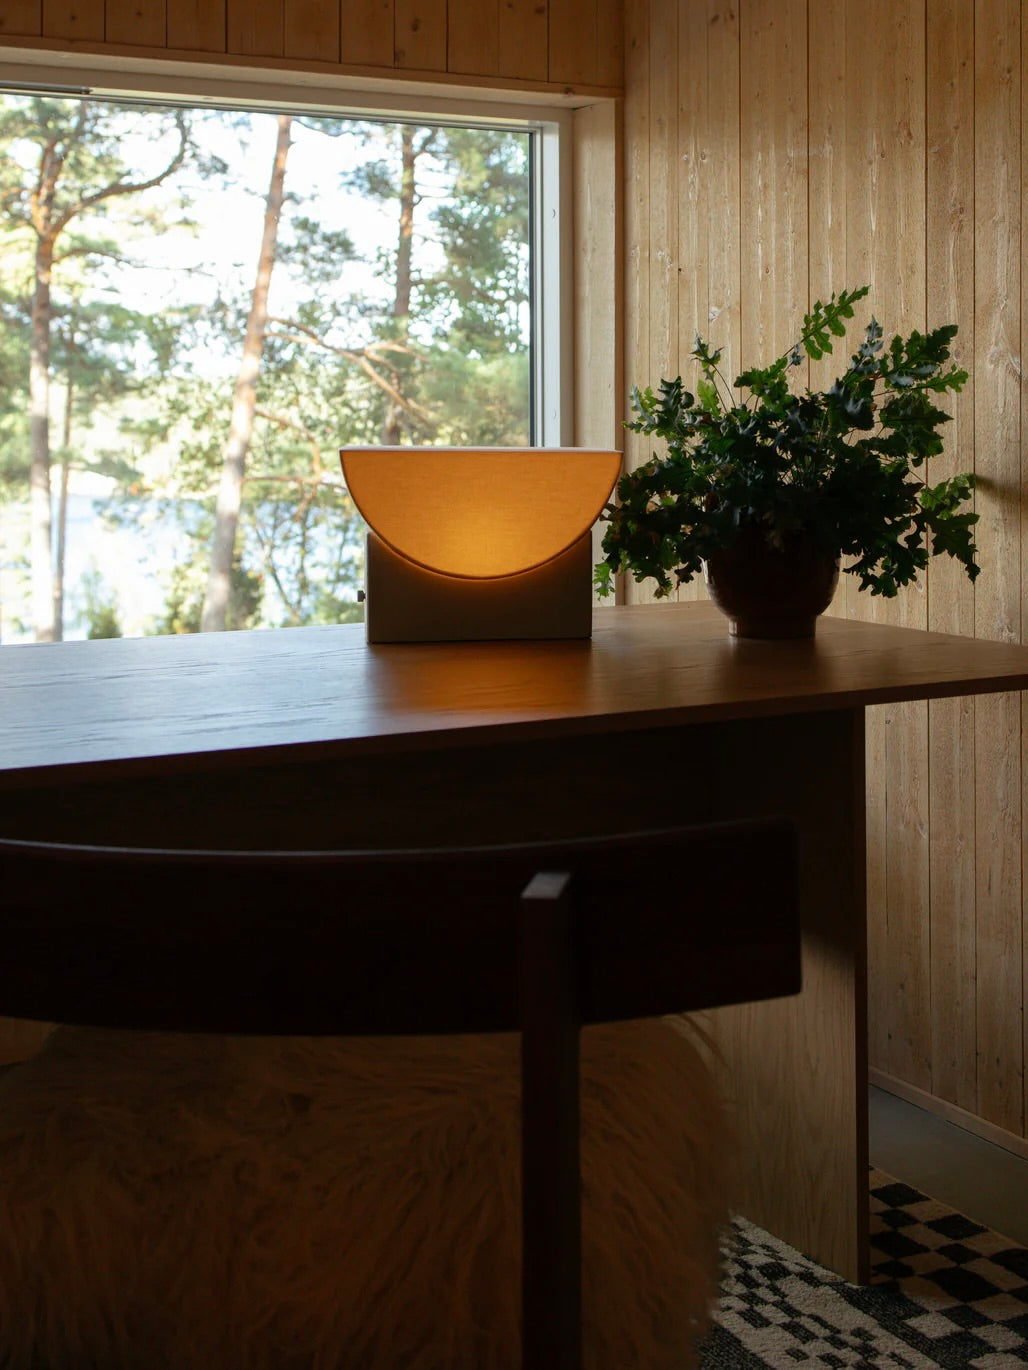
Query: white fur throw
[[209, 1203]]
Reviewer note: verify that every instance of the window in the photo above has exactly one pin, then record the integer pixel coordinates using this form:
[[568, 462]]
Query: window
[[203, 301]]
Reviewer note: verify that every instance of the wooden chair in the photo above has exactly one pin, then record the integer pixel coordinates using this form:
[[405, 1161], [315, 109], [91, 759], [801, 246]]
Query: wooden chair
[[541, 938]]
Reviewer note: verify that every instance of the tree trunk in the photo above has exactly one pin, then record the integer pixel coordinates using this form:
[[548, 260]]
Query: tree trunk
[[391, 429], [62, 501], [65, 481], [39, 429], [237, 444]]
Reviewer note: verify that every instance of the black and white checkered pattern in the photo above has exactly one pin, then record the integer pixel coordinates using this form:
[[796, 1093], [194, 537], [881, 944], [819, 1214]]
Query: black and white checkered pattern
[[945, 1292]]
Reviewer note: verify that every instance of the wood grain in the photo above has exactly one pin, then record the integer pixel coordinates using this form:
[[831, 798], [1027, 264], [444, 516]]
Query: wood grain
[[887, 134], [692, 188], [310, 28], [367, 32], [572, 39], [473, 36], [256, 30], [637, 248], [949, 231], [1024, 589], [81, 20], [827, 1023], [421, 34], [599, 369], [828, 163], [899, 233], [610, 43], [571, 43], [773, 190], [827, 159], [179, 701], [197, 25], [23, 18], [663, 352], [721, 166], [998, 383], [140, 22], [523, 39], [914, 184]]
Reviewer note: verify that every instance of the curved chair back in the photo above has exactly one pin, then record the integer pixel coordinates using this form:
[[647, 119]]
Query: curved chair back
[[540, 938]]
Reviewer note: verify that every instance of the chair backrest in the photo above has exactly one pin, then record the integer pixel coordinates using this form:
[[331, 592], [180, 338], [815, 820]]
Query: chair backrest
[[391, 941]]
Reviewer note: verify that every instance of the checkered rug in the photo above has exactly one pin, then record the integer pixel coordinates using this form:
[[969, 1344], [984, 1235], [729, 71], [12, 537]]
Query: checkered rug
[[944, 1291]]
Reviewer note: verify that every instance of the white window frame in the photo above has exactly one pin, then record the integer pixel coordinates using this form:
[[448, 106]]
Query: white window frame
[[24, 70]]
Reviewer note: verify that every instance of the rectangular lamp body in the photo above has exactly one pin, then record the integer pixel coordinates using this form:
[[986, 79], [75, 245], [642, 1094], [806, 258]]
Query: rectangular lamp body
[[405, 602]]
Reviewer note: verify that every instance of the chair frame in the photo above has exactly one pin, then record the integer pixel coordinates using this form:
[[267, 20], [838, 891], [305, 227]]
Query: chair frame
[[539, 938]]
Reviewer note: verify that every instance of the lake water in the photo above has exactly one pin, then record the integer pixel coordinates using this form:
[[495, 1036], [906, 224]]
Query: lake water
[[127, 565]]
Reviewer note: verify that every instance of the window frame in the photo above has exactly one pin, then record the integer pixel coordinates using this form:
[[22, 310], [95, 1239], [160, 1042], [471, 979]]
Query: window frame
[[215, 84]]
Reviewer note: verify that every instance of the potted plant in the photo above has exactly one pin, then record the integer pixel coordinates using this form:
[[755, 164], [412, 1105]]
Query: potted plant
[[766, 490]]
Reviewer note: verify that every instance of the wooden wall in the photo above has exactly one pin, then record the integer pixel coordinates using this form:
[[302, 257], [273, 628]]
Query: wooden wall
[[562, 42], [775, 151]]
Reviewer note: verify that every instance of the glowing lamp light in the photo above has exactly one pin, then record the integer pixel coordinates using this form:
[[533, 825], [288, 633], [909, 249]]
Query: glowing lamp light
[[471, 543]]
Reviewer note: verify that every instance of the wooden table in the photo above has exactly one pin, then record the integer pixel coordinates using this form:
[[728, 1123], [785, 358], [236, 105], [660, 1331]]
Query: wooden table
[[309, 738]]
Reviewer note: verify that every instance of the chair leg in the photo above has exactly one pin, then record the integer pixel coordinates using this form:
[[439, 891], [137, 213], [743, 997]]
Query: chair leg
[[551, 1259]]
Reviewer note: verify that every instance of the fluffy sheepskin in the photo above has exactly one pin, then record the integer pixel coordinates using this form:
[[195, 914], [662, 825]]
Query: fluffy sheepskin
[[208, 1203]]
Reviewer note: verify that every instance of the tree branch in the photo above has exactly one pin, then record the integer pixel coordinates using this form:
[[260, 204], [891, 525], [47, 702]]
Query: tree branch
[[129, 187], [361, 357]]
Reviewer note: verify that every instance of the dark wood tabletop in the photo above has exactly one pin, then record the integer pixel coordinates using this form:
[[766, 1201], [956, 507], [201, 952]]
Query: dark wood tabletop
[[156, 702]]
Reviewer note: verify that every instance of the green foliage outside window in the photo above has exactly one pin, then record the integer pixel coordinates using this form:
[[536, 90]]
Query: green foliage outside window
[[420, 337]]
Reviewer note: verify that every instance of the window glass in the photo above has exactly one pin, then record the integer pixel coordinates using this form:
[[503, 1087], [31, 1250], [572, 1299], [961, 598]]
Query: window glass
[[200, 306]]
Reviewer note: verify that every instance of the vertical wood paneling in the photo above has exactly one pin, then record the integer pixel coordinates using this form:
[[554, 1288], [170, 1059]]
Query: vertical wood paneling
[[81, 20], [664, 358], [861, 156], [1024, 582], [997, 368], [599, 372], [367, 34], [693, 188], [721, 162], [826, 178], [637, 195], [196, 25], [610, 46], [473, 36], [421, 34], [310, 29], [885, 225], [523, 40], [688, 224], [23, 18], [826, 182], [950, 296], [773, 73], [658, 351], [142, 22], [914, 184], [573, 38], [256, 30]]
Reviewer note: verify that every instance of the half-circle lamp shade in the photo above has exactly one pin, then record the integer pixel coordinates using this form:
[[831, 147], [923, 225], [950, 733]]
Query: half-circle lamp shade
[[481, 512]]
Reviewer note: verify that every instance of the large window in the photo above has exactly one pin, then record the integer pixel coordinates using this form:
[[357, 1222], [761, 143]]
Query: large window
[[202, 304]]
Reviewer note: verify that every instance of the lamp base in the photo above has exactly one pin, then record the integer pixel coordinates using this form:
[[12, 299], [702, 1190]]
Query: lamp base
[[405, 602]]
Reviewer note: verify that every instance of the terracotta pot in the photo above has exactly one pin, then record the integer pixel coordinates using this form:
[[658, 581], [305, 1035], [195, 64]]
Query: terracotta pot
[[767, 592]]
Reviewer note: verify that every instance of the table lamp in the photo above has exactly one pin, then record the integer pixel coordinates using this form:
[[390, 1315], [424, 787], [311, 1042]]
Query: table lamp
[[470, 543]]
